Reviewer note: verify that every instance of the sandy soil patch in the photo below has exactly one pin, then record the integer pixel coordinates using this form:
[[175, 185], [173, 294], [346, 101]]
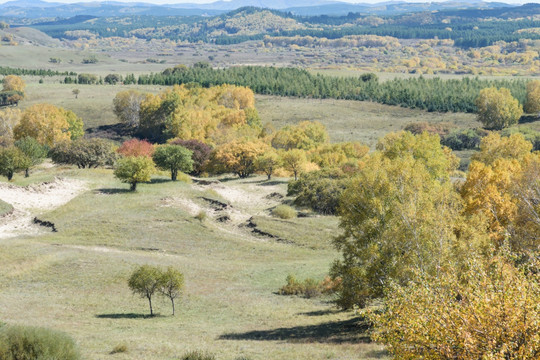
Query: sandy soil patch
[[30, 200]]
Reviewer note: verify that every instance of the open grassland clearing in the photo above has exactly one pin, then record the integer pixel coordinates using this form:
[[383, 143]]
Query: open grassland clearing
[[75, 280]]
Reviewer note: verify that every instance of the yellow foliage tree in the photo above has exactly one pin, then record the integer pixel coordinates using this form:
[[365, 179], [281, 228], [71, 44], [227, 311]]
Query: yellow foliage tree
[[489, 312], [306, 135], [294, 160], [497, 108], [239, 156], [487, 191], [9, 118], [13, 83], [495, 146], [48, 124], [532, 104]]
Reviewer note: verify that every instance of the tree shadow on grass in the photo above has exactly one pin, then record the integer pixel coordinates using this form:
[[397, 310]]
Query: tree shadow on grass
[[528, 119], [337, 332], [321, 312], [112, 191], [161, 180], [127, 316], [378, 354]]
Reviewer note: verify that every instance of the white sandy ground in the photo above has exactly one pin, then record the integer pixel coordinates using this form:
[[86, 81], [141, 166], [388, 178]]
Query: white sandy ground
[[31, 200]]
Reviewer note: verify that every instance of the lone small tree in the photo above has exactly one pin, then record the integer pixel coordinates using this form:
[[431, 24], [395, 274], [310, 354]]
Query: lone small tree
[[144, 281], [171, 283], [76, 92], [134, 169], [174, 158]]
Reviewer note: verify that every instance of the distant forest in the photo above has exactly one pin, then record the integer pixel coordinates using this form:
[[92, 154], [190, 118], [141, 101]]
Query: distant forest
[[467, 28]]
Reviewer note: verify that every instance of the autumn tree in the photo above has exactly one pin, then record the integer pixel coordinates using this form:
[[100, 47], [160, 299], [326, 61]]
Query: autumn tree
[[33, 150], [136, 147], [497, 108], [335, 155], [171, 282], [532, 104], [294, 160], [306, 135], [495, 146], [127, 107], [268, 163], [145, 281], [397, 216], [9, 118], [49, 125], [239, 156], [173, 158], [13, 160], [13, 83], [134, 170], [488, 312]]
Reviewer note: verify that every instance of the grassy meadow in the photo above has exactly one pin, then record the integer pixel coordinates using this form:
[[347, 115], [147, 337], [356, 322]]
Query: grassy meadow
[[75, 280]]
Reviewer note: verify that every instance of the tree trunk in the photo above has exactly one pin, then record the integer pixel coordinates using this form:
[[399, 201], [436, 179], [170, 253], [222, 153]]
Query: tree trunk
[[174, 175], [295, 175], [10, 175], [269, 175], [133, 186], [172, 301], [27, 173], [150, 302]]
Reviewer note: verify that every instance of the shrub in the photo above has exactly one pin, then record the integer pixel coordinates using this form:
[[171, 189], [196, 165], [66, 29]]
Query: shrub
[[120, 348], [531, 135], [284, 212], [319, 190], [201, 216], [308, 288], [26, 343], [133, 170], [441, 129], [464, 139], [198, 355], [85, 153]]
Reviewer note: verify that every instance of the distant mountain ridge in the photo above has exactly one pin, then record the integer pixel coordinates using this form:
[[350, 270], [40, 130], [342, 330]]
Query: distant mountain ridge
[[39, 8]]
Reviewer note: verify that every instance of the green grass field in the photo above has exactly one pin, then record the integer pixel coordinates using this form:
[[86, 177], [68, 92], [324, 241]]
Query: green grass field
[[75, 280]]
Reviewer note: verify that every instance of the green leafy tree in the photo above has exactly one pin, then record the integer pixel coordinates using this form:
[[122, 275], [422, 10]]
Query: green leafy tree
[[145, 281], [174, 158], [134, 169], [13, 160], [33, 150], [497, 108], [268, 163], [171, 283]]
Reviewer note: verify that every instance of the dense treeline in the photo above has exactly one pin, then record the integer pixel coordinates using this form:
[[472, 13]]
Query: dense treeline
[[422, 93], [36, 72]]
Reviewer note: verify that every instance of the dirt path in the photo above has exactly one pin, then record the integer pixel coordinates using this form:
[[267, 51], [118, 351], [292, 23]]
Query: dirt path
[[31, 200]]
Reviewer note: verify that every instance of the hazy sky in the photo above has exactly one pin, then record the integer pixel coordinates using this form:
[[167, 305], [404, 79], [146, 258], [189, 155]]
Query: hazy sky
[[292, 2]]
